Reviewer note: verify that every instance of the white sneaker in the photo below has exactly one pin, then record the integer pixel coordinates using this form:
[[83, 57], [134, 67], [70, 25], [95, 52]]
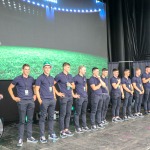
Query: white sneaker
[[43, 139], [32, 140], [20, 143]]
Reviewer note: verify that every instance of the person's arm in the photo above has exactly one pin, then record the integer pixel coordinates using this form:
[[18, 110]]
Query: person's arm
[[75, 95], [34, 96], [122, 93], [95, 87], [142, 89], [144, 80], [126, 89], [136, 88], [102, 83], [116, 85], [86, 87], [37, 91], [56, 92], [10, 90]]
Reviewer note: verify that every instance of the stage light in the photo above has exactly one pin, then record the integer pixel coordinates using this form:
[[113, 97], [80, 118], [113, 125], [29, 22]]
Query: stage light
[[70, 10], [78, 10], [87, 11], [33, 3], [82, 10], [38, 4], [42, 5], [91, 10], [67, 10], [59, 9], [75, 10]]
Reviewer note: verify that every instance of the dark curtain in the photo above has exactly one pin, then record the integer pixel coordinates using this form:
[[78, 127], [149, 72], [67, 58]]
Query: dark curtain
[[128, 30]]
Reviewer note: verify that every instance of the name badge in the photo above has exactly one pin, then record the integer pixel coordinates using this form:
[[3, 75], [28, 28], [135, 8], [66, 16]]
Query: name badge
[[129, 86], [140, 85], [84, 88], [26, 92], [50, 89], [118, 86]]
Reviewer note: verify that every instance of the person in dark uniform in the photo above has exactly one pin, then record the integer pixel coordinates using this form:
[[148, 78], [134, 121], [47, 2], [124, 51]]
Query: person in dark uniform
[[138, 92], [106, 96], [66, 85], [96, 84], [128, 92], [116, 94], [47, 99], [146, 84], [25, 100], [82, 100]]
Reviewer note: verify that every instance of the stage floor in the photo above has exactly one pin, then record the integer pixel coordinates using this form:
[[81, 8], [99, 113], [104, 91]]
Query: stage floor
[[128, 135]]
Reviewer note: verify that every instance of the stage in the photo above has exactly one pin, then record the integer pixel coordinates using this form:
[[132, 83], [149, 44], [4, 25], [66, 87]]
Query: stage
[[128, 135]]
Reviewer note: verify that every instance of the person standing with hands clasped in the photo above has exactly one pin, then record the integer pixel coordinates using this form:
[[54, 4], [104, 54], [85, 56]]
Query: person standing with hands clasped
[[146, 84], [81, 101], [138, 92], [128, 92], [96, 83], [25, 100], [47, 99], [116, 94], [66, 85]]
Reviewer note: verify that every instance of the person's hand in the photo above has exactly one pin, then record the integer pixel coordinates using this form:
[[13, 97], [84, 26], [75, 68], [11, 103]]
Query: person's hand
[[122, 96], [143, 92], [34, 97], [1, 96], [131, 92], [119, 81], [17, 99], [140, 92], [76, 96], [68, 84], [61, 94], [40, 101]]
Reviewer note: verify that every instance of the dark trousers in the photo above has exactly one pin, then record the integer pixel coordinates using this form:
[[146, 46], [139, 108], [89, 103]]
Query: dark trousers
[[116, 102], [147, 100], [25, 107], [106, 100], [47, 107], [127, 105], [80, 109], [96, 109], [65, 112], [138, 101]]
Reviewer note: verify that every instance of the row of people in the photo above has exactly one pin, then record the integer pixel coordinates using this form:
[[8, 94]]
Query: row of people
[[43, 89]]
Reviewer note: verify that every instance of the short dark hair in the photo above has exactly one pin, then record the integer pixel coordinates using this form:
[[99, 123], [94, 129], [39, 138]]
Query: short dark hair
[[104, 69], [65, 64], [25, 65], [94, 68], [147, 67], [115, 69]]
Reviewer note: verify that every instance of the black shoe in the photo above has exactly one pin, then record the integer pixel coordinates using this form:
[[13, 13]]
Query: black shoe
[[94, 128], [125, 118], [118, 119], [131, 117], [85, 129], [100, 126], [63, 134], [69, 133], [140, 115], [78, 130]]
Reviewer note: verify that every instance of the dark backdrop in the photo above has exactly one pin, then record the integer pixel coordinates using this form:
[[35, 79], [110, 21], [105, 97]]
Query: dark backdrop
[[128, 24]]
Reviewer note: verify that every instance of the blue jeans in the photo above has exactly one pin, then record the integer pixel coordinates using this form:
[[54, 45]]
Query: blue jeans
[[106, 100], [65, 112], [116, 102], [80, 109], [47, 106], [25, 107], [138, 101], [147, 100], [96, 109], [127, 105]]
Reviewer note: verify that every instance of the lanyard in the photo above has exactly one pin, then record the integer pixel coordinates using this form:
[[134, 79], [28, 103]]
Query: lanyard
[[25, 80]]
